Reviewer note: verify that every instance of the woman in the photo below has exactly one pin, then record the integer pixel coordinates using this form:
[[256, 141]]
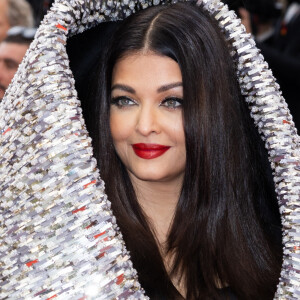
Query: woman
[[184, 167]]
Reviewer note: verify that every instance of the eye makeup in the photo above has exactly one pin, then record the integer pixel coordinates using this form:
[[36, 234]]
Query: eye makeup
[[169, 102], [122, 101], [172, 102]]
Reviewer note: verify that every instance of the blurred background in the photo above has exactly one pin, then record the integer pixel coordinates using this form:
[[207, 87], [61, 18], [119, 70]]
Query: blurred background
[[39, 9], [18, 22], [274, 24]]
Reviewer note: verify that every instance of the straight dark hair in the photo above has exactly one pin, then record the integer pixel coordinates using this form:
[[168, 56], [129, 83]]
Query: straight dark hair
[[226, 230]]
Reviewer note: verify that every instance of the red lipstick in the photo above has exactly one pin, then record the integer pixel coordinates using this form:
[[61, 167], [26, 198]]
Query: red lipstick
[[149, 151]]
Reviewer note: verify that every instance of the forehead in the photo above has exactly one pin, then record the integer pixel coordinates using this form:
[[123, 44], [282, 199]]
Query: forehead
[[12, 51], [146, 68], [3, 10]]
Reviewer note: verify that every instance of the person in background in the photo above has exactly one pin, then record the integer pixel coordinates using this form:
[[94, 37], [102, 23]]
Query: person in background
[[261, 17], [14, 13], [282, 52], [283, 57], [12, 51]]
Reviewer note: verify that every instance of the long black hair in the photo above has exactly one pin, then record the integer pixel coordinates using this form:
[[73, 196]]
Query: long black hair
[[226, 229]]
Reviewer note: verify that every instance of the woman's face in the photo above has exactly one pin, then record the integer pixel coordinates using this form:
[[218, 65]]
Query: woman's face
[[146, 119]]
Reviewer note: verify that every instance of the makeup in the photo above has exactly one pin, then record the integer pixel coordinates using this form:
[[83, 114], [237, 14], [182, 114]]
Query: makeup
[[149, 151]]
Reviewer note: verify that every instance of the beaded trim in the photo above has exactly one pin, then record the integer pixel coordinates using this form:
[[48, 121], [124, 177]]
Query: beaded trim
[[71, 247]]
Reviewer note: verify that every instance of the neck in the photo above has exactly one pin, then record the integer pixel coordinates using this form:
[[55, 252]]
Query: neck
[[158, 201]]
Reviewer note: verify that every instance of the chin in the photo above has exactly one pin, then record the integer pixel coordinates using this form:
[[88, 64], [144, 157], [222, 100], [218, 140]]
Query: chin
[[153, 175], [145, 176]]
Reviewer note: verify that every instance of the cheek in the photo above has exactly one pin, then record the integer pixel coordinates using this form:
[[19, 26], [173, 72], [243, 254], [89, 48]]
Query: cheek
[[7, 76], [10, 75], [120, 128], [174, 129], [121, 132], [179, 136]]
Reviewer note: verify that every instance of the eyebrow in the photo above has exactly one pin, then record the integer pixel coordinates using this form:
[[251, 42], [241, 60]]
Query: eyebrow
[[166, 87], [123, 87], [161, 89]]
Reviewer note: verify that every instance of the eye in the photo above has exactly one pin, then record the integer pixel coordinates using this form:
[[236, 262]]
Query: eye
[[172, 102], [11, 64], [122, 101]]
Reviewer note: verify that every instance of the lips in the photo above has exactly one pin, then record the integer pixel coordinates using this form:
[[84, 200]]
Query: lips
[[149, 151]]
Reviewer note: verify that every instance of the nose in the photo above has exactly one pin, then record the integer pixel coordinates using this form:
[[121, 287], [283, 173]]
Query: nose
[[147, 120]]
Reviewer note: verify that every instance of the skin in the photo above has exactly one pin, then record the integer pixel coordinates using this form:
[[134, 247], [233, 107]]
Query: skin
[[4, 22], [11, 55], [144, 113], [246, 21], [146, 119]]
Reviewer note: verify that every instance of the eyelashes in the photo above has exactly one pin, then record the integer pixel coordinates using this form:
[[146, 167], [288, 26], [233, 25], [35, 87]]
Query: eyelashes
[[122, 101], [172, 102], [126, 102]]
